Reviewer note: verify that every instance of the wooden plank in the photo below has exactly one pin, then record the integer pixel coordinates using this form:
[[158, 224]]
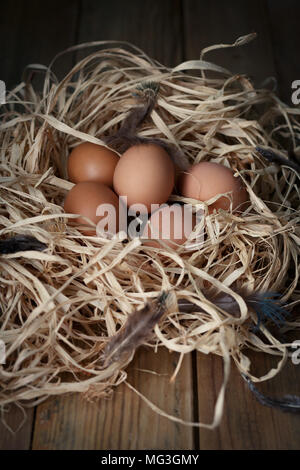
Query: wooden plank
[[284, 21], [246, 424], [219, 22], [153, 26], [124, 421], [20, 439], [34, 32]]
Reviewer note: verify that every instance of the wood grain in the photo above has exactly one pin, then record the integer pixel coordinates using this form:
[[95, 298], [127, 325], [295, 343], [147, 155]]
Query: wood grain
[[154, 26], [284, 22], [31, 32], [219, 22], [19, 439], [124, 421], [246, 424]]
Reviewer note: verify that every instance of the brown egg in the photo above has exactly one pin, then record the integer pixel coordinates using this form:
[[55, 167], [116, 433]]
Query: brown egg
[[84, 199], [145, 175], [208, 179], [91, 162], [171, 224]]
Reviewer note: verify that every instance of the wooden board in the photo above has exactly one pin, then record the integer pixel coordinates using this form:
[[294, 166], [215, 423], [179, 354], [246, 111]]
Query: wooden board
[[153, 26], [246, 424], [219, 22], [284, 22], [16, 438], [124, 421], [33, 32]]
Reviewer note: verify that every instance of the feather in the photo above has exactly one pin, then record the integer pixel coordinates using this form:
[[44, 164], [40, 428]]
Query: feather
[[288, 403], [136, 330], [147, 87], [273, 157], [127, 135], [267, 305], [20, 243]]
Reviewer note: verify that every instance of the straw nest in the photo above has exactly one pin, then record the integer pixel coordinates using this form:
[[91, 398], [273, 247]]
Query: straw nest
[[59, 307]]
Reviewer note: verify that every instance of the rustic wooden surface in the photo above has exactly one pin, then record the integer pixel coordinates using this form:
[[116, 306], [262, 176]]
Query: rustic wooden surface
[[123, 422], [170, 31]]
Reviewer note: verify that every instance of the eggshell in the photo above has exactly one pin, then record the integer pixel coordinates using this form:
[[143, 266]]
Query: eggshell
[[208, 179], [145, 175], [169, 225], [84, 199], [91, 162]]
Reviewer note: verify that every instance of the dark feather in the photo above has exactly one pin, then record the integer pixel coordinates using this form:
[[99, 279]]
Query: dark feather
[[288, 403], [127, 135], [273, 157], [136, 117], [267, 306], [147, 87], [20, 243], [136, 331]]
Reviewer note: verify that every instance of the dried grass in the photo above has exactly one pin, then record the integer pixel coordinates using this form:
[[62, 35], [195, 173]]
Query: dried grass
[[60, 307]]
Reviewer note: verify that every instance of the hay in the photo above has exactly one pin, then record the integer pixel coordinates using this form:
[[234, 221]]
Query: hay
[[60, 307]]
